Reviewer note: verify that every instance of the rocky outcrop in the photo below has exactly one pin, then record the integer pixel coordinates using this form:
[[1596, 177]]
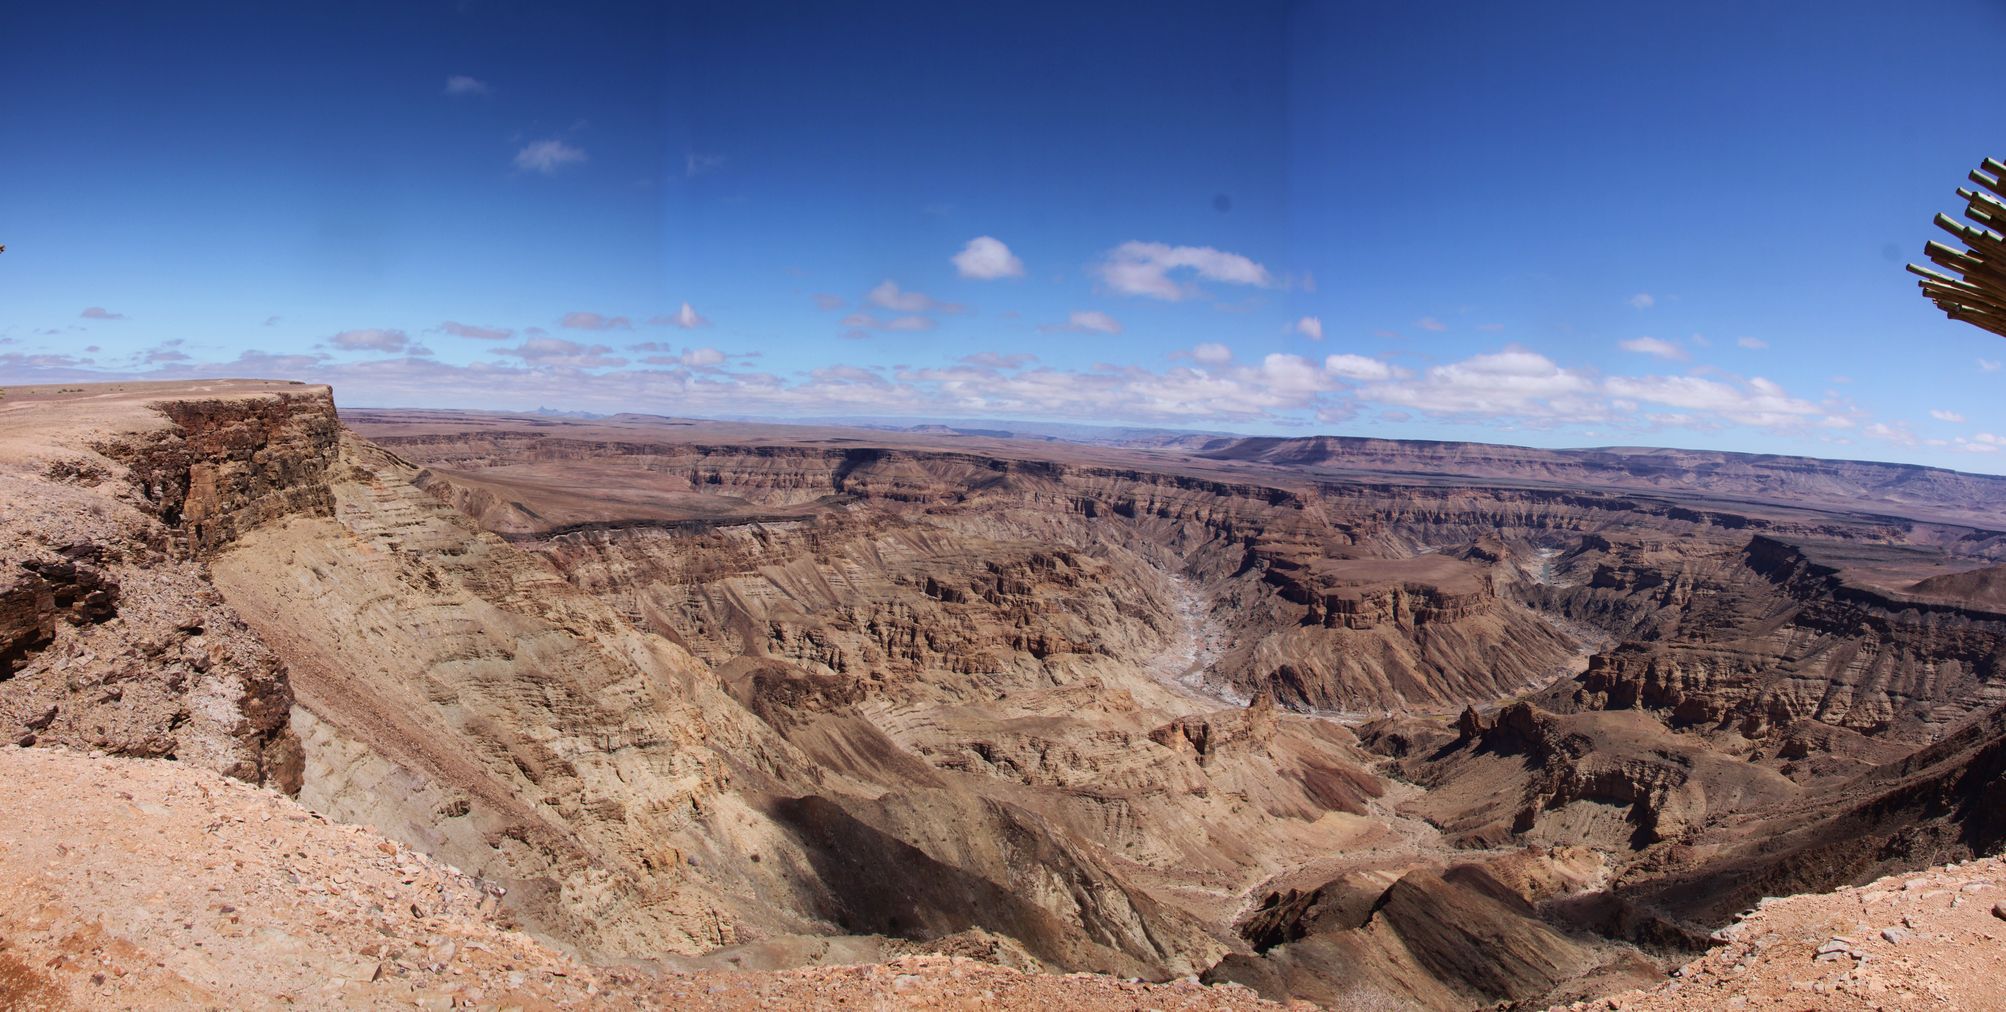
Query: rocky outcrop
[[1765, 636], [227, 465], [111, 635], [1663, 801], [1452, 938]]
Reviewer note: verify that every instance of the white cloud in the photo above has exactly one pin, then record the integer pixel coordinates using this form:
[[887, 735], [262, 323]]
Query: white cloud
[[371, 339], [1293, 374], [1357, 367], [460, 85], [482, 333], [860, 324], [1513, 382], [582, 320], [702, 357], [547, 157], [1641, 300], [986, 258], [1757, 402], [1896, 433], [1988, 365], [1212, 353], [1310, 327], [100, 313], [997, 360], [1087, 320], [1942, 415], [686, 318], [1144, 268], [1430, 323], [1653, 346], [1752, 343], [556, 352], [888, 295]]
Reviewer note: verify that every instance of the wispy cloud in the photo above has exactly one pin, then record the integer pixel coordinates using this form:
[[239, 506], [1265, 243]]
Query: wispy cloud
[[1897, 433], [698, 163], [889, 295], [1757, 402], [1429, 323], [556, 352], [1655, 347], [1212, 353], [1310, 327], [860, 324], [583, 320], [694, 358], [686, 318], [1752, 343], [1502, 390], [165, 352], [100, 313], [480, 333], [1357, 367], [1943, 415], [1513, 383], [1087, 321], [371, 339], [548, 156], [986, 258], [461, 86], [828, 302], [1988, 365], [1146, 268], [1641, 300]]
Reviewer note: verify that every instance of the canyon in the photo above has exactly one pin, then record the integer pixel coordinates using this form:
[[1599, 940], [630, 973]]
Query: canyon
[[1359, 723]]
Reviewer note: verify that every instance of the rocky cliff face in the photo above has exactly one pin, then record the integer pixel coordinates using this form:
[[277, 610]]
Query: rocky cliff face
[[1757, 637], [223, 467], [111, 634], [1319, 606]]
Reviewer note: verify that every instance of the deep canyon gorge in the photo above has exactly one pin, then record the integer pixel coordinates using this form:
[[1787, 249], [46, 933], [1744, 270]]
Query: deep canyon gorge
[[1362, 723]]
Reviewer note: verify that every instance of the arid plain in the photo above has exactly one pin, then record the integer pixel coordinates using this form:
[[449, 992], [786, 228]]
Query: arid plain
[[534, 711]]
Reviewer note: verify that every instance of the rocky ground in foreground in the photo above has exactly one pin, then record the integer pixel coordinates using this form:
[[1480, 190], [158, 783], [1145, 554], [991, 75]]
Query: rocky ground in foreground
[[1932, 939], [130, 883]]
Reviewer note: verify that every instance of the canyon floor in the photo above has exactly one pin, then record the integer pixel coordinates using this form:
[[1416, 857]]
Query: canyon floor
[[535, 711]]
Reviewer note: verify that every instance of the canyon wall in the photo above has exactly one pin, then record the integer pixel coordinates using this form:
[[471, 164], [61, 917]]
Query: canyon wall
[[112, 636], [769, 696]]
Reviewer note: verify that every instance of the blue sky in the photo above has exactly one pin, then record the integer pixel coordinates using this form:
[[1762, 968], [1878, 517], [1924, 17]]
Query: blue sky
[[1555, 224]]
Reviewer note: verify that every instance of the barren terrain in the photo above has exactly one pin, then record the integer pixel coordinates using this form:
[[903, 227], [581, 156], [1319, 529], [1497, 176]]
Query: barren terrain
[[1360, 723]]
